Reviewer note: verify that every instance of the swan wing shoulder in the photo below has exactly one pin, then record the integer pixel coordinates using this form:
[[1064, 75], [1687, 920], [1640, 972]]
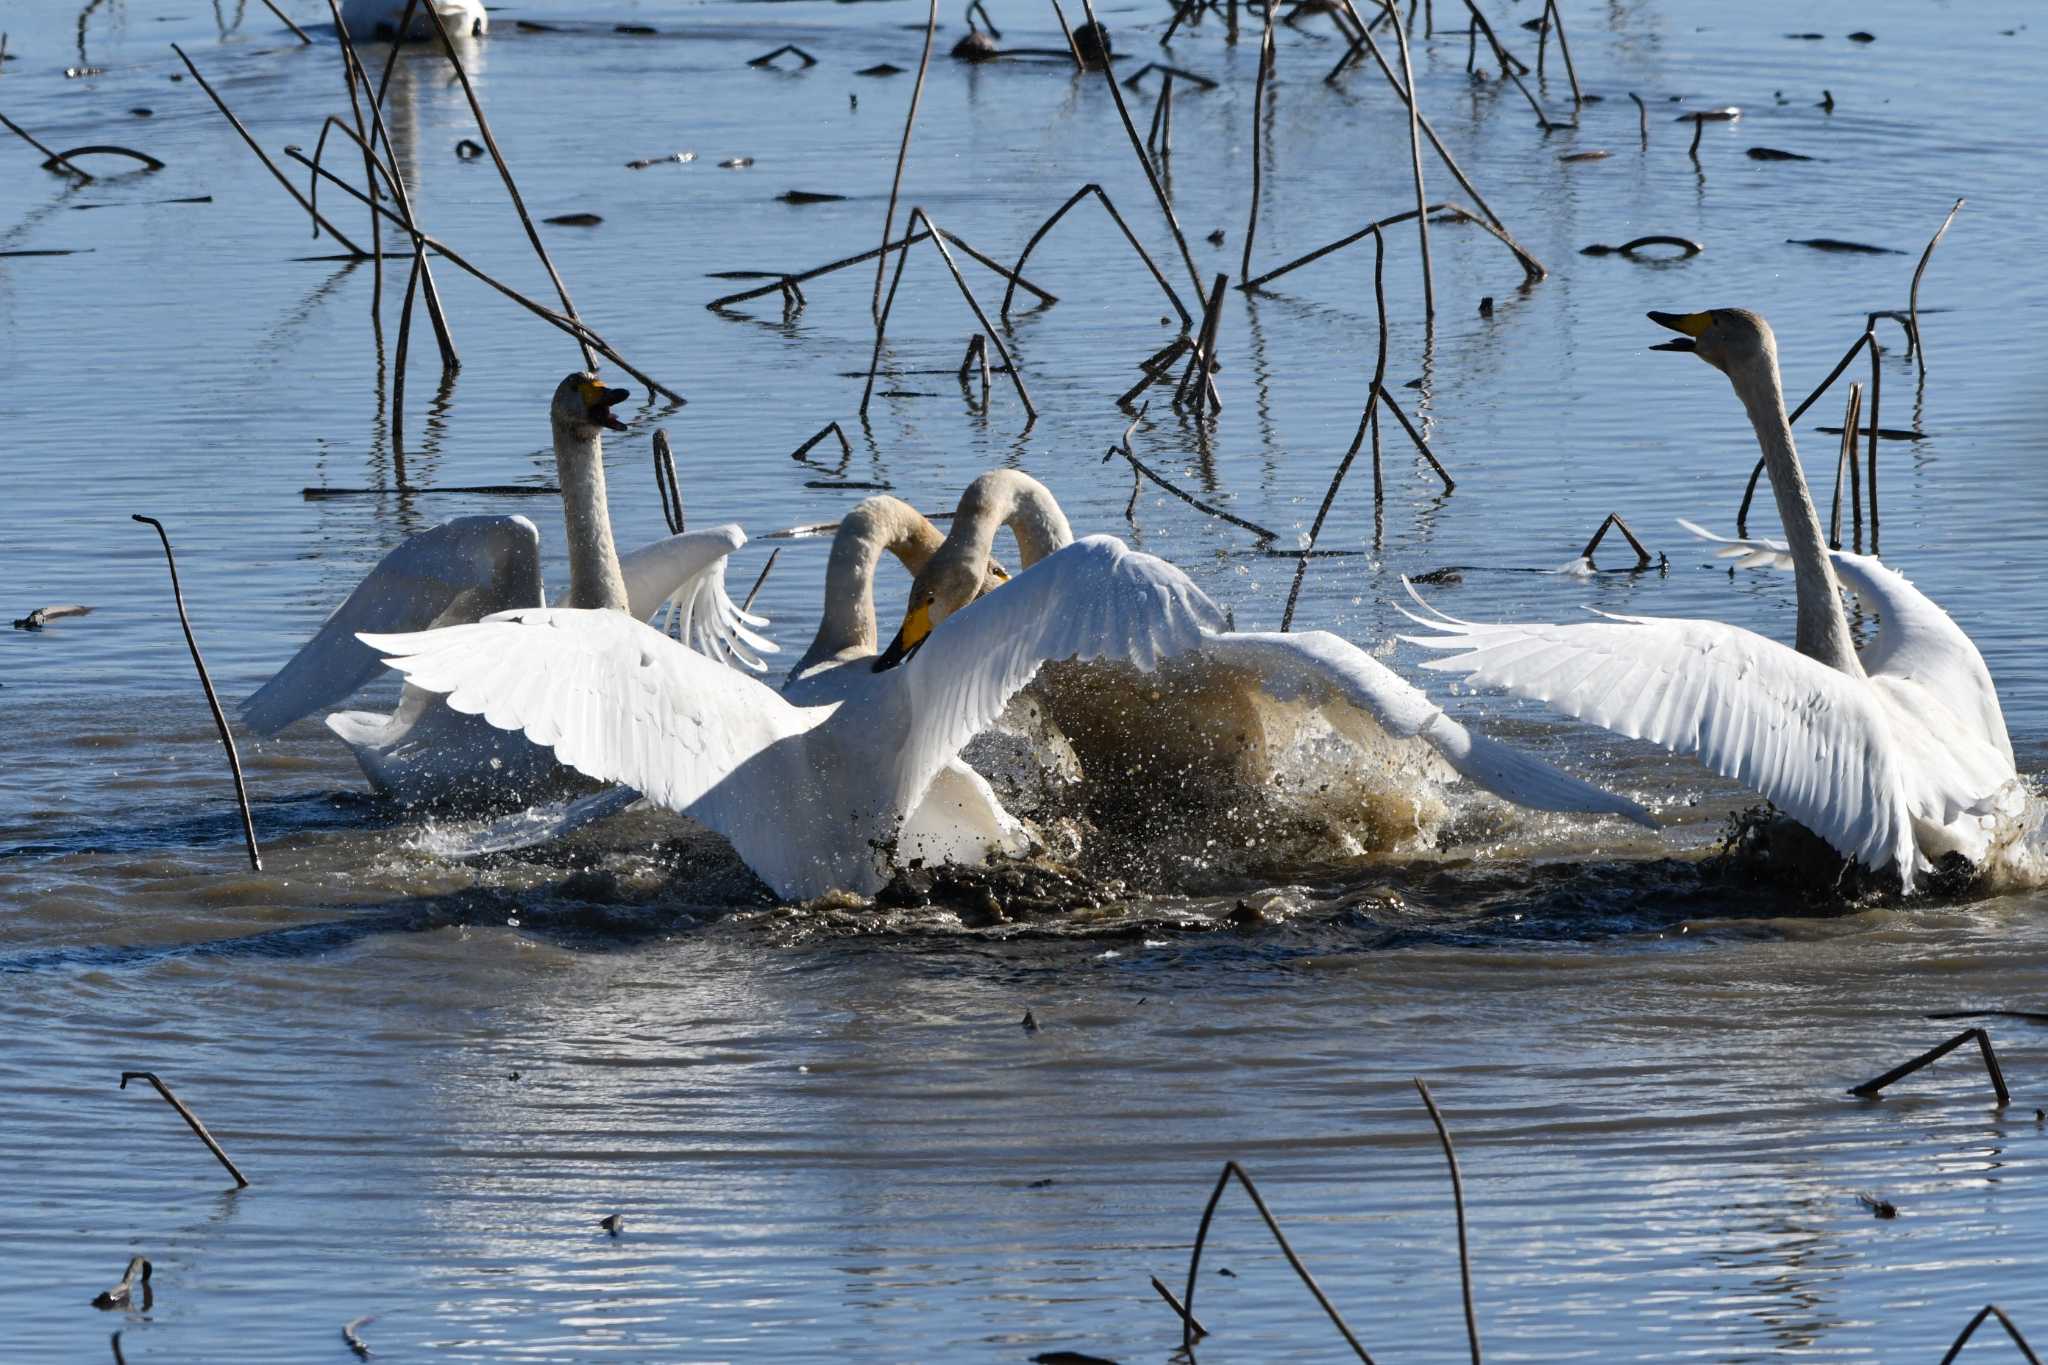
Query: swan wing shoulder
[[1328, 671], [1815, 741], [461, 570], [684, 575], [1094, 599], [615, 699]]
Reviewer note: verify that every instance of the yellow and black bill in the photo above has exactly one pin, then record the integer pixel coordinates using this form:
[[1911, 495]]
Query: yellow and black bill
[[598, 400], [1691, 324], [916, 629]]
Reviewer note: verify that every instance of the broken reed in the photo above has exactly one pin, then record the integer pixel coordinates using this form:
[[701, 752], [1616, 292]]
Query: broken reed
[[937, 238], [191, 1119], [1867, 340], [227, 737], [924, 61]]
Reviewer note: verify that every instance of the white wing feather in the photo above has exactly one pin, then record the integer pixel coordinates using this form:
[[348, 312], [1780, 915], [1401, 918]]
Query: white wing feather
[[460, 570], [683, 576]]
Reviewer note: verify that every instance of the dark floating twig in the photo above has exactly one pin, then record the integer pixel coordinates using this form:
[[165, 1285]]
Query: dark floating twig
[[808, 197], [469, 149], [880, 69], [122, 1294], [614, 1223], [48, 251], [1592, 154], [666, 485], [1913, 346], [1123, 448], [42, 616], [1774, 154], [938, 239], [54, 159], [2030, 1016], [1837, 244], [755, 591], [1992, 1310], [829, 429], [191, 1119], [1016, 276], [1451, 1156], [1231, 1168], [63, 159], [574, 220], [354, 1341], [1614, 520], [1687, 247], [1879, 1208], [1983, 1040], [1187, 1318], [788, 49], [227, 740], [268, 164]]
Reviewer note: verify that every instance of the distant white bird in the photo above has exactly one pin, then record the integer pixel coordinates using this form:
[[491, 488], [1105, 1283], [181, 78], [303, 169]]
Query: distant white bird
[[1895, 758], [380, 18], [471, 567]]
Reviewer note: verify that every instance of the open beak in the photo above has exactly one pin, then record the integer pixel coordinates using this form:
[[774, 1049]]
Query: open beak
[[916, 629], [1691, 324], [601, 407]]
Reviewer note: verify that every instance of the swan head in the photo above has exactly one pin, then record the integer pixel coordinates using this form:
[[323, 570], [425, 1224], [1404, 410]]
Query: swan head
[[941, 588], [1732, 340], [583, 403]]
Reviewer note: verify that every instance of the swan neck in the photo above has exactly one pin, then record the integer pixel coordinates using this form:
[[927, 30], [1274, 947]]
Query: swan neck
[[1823, 626], [877, 526], [1020, 502], [595, 579]]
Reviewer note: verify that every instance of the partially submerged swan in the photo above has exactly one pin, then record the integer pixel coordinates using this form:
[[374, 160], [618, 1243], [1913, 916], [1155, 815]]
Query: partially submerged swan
[[471, 567], [813, 797], [381, 18], [1895, 758]]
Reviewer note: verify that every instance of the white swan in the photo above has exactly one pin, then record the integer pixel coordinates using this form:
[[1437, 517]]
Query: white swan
[[1894, 758], [368, 19], [813, 797], [467, 569]]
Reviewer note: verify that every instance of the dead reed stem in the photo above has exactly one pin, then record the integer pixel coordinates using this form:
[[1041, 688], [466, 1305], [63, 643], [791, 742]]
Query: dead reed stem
[[1186, 1317], [1157, 369], [1151, 172], [1421, 445], [264, 157], [938, 239], [1918, 351], [786, 282], [227, 739], [1067, 30], [483, 124], [27, 137], [349, 72], [1202, 363], [1869, 339], [1366, 421], [755, 591], [1251, 227], [875, 309], [1016, 276], [354, 1342], [1564, 48], [666, 485], [576, 328], [829, 429], [1983, 1040], [1415, 159], [1231, 1168], [191, 1119], [1614, 520], [1532, 269], [450, 361], [1458, 1201], [1845, 456], [1508, 64], [1138, 466], [286, 20], [1992, 1310], [1642, 116], [1876, 382], [1850, 427]]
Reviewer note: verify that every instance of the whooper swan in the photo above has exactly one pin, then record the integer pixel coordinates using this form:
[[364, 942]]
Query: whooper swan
[[471, 567], [1894, 758]]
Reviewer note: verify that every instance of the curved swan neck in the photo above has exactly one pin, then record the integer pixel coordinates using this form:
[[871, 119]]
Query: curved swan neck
[[877, 526], [595, 579], [1005, 497], [1823, 629]]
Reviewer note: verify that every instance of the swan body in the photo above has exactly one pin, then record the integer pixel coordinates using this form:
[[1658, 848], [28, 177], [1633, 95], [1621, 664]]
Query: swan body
[[472, 567], [368, 19], [1895, 757], [813, 797]]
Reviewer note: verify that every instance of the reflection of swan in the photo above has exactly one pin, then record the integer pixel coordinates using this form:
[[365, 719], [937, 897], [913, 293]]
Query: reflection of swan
[[813, 797], [1897, 757], [468, 568], [381, 18], [1206, 719]]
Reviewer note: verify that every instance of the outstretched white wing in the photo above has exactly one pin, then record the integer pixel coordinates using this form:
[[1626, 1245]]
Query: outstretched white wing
[[1817, 742], [460, 570], [619, 701], [683, 577], [1331, 673], [1917, 642]]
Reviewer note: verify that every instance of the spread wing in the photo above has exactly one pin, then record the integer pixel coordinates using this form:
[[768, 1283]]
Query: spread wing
[[683, 578], [1335, 675], [1817, 742], [461, 570], [1917, 642]]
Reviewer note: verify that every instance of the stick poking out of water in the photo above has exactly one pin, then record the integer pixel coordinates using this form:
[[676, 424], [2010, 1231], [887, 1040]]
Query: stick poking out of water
[[192, 1119], [666, 484], [227, 740], [1138, 466], [355, 1342], [1614, 520], [1458, 1187], [1186, 1317], [1919, 352], [122, 1295], [1992, 1310], [755, 591], [1983, 1040], [931, 27]]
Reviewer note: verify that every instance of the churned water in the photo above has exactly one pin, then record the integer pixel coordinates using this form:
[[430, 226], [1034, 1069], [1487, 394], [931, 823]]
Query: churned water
[[827, 1132]]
